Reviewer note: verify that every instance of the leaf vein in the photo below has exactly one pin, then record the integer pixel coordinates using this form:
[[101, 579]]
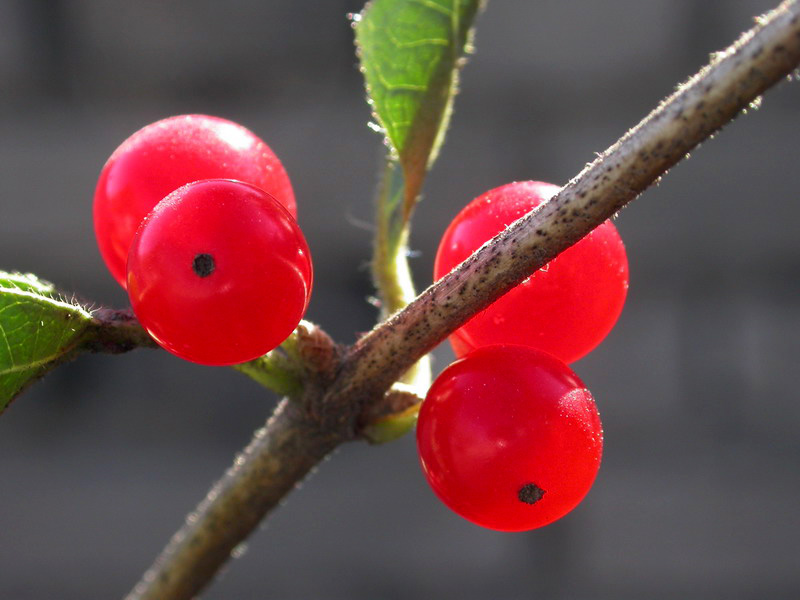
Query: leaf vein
[[31, 365], [435, 6], [8, 345]]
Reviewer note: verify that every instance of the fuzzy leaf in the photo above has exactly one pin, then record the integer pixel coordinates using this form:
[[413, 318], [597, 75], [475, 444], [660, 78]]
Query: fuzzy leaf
[[410, 53], [38, 330]]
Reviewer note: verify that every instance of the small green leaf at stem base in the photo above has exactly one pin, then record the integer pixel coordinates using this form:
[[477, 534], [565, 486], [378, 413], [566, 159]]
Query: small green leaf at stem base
[[275, 372], [392, 427], [395, 416], [307, 354]]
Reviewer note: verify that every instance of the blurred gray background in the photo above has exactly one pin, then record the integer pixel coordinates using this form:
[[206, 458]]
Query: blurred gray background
[[698, 493]]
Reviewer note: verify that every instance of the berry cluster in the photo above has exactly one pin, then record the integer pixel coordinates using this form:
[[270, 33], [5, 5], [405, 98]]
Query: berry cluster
[[195, 217], [508, 436]]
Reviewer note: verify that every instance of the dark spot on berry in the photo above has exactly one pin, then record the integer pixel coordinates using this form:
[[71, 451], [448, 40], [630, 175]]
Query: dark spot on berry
[[530, 493], [203, 265]]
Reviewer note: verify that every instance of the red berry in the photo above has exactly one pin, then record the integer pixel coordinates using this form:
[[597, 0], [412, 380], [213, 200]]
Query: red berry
[[219, 273], [509, 438], [567, 307], [170, 153]]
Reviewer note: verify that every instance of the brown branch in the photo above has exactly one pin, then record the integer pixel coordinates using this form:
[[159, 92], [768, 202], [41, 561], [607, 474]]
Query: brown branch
[[280, 455], [114, 332], [300, 435]]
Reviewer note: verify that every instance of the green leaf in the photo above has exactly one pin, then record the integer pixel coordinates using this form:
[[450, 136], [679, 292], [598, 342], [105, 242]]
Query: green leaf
[[38, 330], [410, 53]]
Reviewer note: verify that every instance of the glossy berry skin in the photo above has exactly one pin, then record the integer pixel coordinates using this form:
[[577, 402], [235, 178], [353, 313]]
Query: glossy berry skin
[[509, 438], [567, 307], [219, 273], [167, 154]]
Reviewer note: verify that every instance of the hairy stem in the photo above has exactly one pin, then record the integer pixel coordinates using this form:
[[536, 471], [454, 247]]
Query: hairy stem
[[280, 455], [293, 442], [390, 269], [114, 332]]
